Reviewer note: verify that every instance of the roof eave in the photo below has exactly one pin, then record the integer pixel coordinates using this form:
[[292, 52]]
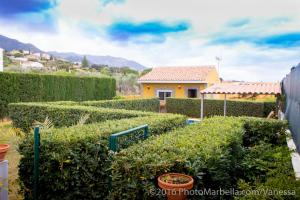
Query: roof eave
[[156, 81]]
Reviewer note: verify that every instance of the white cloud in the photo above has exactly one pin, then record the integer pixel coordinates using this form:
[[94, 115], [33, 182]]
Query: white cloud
[[208, 18]]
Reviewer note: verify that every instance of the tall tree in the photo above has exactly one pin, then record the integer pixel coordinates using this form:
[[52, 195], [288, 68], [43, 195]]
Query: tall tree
[[84, 62]]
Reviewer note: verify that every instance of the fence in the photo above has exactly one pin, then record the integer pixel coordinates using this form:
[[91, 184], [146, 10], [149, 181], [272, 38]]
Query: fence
[[291, 91], [126, 138]]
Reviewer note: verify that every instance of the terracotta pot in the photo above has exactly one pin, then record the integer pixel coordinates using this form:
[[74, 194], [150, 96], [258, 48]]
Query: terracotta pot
[[3, 150], [176, 191]]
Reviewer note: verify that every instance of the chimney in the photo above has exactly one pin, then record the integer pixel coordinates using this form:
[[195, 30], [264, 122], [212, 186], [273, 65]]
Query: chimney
[[1, 60]]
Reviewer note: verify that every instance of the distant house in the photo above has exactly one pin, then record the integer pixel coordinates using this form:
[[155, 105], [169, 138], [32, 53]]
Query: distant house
[[30, 64], [22, 59], [26, 52], [45, 56], [179, 82], [33, 57]]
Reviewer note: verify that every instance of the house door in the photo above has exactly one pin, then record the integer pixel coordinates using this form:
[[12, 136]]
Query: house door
[[163, 94]]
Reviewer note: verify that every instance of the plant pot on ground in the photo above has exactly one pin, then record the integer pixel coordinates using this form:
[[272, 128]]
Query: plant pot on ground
[[175, 185], [3, 150]]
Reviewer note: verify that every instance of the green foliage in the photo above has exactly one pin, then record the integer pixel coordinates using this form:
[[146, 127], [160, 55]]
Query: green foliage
[[264, 130], [19, 87], [209, 151], [24, 115], [191, 107], [242, 153], [75, 162], [145, 71], [84, 62], [151, 105], [268, 170]]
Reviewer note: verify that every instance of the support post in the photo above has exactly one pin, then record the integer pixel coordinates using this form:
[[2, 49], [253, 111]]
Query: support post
[[225, 105], [202, 103], [36, 172], [4, 180]]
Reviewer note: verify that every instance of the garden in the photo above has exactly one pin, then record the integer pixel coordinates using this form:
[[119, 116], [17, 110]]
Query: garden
[[243, 156]]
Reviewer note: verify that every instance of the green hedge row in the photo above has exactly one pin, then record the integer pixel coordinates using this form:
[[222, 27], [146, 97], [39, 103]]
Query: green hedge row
[[24, 115], [208, 151], [75, 162], [20, 87], [151, 105], [191, 107], [218, 153]]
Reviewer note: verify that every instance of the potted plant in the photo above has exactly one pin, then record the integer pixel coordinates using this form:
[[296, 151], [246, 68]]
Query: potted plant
[[175, 185], [3, 150]]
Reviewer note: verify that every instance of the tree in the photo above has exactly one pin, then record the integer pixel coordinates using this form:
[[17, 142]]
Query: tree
[[84, 62]]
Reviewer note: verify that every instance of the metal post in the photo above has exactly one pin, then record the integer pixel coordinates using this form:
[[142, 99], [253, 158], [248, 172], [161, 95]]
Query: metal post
[[201, 111], [36, 172], [4, 180], [113, 143], [146, 131], [225, 106]]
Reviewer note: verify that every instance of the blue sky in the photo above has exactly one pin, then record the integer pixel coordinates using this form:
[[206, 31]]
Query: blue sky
[[257, 40]]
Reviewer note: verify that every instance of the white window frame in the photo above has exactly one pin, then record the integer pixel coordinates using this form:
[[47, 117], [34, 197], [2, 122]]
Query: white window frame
[[158, 91]]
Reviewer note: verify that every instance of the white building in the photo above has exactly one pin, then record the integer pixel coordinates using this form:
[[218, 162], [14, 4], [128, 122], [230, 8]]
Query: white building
[[1, 60], [30, 64], [46, 56]]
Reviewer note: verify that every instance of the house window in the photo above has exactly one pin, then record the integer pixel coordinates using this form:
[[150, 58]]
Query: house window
[[163, 94], [192, 93]]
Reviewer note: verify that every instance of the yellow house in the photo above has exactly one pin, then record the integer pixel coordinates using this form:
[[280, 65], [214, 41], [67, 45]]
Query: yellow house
[[179, 82]]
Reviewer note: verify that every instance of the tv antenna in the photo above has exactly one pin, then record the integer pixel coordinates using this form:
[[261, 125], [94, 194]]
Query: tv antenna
[[219, 59]]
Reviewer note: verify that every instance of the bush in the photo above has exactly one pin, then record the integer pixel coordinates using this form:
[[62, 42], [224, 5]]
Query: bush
[[209, 151], [75, 161], [218, 153], [151, 105], [267, 168], [20, 87], [264, 130], [24, 115], [212, 107]]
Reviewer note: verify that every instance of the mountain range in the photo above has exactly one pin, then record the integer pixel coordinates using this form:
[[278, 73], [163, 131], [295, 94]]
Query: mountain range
[[10, 44]]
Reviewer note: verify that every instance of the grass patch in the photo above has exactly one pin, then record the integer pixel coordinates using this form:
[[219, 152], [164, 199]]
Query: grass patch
[[10, 135]]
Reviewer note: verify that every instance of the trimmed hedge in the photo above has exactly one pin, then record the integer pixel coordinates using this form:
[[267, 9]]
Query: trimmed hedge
[[75, 161], [209, 151], [191, 107], [151, 105], [20, 87], [259, 130], [24, 115], [218, 153]]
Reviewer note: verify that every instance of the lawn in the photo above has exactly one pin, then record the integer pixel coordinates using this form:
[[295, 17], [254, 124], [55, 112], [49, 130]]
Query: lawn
[[9, 134]]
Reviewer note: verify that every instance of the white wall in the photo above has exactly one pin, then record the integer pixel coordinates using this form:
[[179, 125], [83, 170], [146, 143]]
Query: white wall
[[1, 60]]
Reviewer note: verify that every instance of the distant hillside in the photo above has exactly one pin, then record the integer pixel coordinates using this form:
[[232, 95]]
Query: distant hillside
[[104, 60], [11, 44]]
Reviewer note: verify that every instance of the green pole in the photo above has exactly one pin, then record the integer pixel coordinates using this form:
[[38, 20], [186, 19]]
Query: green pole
[[36, 165]]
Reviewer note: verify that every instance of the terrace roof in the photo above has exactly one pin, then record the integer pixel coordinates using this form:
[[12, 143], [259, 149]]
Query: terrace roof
[[244, 88]]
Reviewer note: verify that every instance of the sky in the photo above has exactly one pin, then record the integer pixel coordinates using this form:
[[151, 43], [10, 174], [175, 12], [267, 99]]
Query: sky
[[256, 40]]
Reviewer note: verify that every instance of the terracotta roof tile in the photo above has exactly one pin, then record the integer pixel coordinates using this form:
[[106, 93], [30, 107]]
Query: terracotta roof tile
[[243, 88], [169, 74]]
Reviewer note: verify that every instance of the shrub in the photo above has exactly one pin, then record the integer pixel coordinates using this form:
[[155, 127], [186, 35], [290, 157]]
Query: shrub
[[24, 115], [264, 130], [191, 107], [267, 168], [151, 105], [75, 161], [20, 87], [209, 151], [218, 153]]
